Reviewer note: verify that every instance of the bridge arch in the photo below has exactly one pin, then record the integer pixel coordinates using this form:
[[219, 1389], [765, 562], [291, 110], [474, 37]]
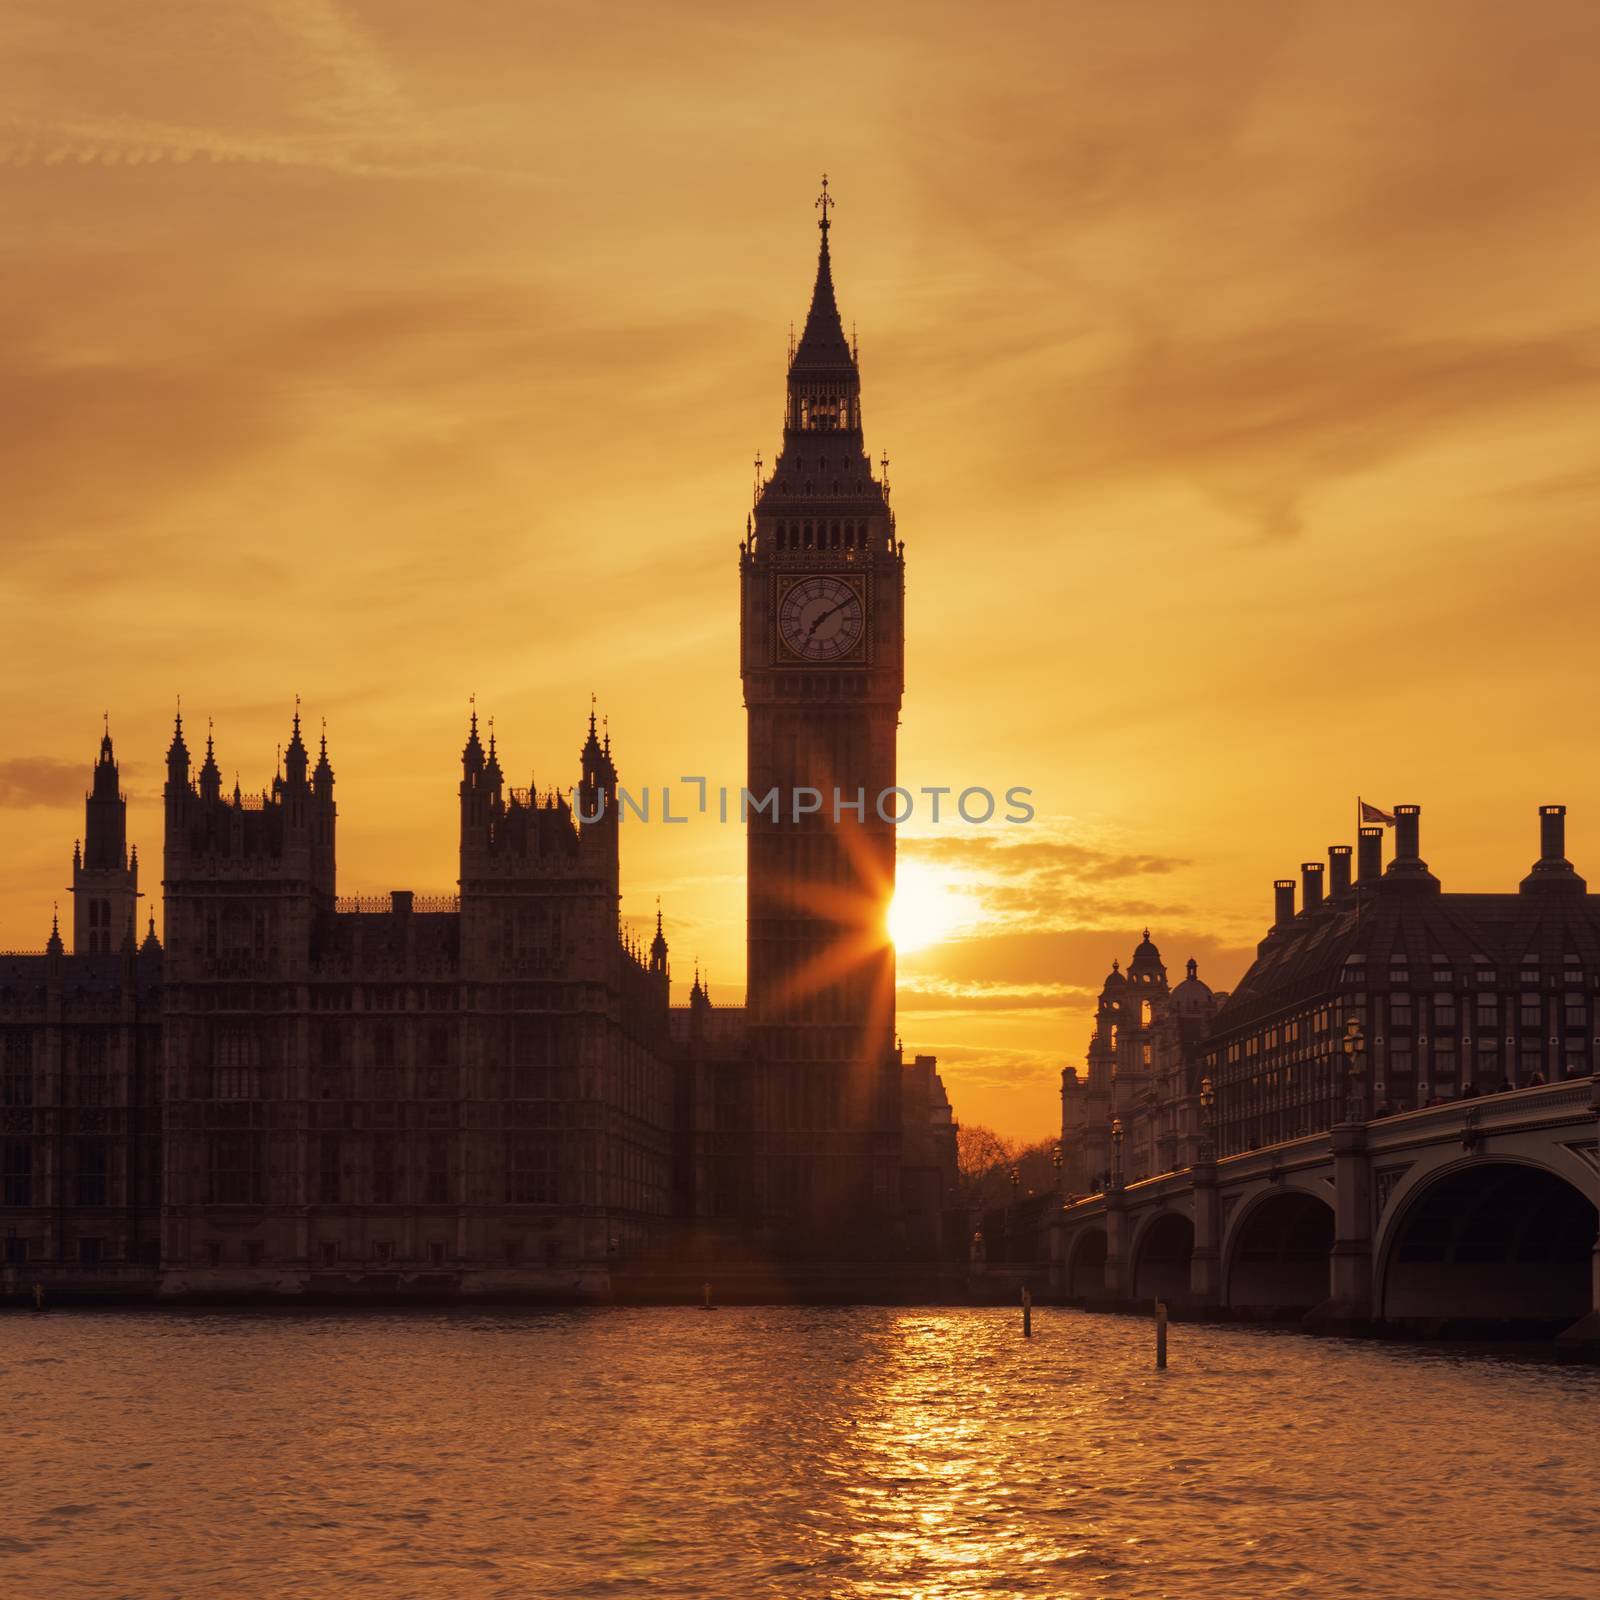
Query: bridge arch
[[1086, 1263], [1161, 1255], [1482, 1234], [1276, 1252]]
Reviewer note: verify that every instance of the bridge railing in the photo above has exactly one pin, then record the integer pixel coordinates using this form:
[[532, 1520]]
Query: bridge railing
[[1568, 1101], [1535, 1106]]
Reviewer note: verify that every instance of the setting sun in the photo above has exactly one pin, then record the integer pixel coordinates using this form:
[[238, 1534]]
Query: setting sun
[[927, 908]]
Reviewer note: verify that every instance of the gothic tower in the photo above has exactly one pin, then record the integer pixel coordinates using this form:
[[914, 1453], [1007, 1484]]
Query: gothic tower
[[539, 878], [105, 879], [247, 881], [822, 589]]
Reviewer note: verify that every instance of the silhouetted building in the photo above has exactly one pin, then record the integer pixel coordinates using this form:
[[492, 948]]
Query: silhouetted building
[[798, 1117], [1379, 994], [821, 655], [1142, 1077], [105, 876], [471, 1091], [491, 1092], [1437, 995], [81, 1073]]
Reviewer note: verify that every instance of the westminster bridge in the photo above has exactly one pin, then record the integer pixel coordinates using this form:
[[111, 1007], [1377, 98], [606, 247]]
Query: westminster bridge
[[1478, 1215]]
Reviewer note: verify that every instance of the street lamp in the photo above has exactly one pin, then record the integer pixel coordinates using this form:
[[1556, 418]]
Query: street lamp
[[1056, 1160], [1208, 1100], [1354, 1042], [1118, 1134]]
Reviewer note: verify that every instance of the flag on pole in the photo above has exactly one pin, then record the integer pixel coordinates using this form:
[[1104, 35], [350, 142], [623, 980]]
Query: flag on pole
[[1373, 814]]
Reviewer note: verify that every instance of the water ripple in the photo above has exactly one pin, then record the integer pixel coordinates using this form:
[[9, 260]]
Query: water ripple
[[812, 1453]]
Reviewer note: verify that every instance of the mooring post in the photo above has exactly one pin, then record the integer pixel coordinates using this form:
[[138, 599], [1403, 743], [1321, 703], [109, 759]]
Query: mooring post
[[707, 1290], [1027, 1313], [1161, 1336]]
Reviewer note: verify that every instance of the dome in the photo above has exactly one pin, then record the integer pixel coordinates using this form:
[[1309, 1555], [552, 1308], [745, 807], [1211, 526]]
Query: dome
[[1146, 955], [1192, 995], [1115, 978]]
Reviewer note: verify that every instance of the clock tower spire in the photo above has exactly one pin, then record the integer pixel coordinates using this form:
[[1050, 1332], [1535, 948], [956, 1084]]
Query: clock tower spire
[[822, 591]]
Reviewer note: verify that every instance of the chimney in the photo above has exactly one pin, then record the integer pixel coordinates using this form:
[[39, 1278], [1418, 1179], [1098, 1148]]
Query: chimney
[[400, 901], [1338, 869], [1310, 885], [1370, 861], [1408, 865], [1407, 834], [1552, 871], [1283, 902], [1553, 833]]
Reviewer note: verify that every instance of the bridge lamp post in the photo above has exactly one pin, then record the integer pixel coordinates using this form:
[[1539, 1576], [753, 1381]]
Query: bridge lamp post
[[1208, 1122], [1055, 1161], [1354, 1042], [1118, 1134]]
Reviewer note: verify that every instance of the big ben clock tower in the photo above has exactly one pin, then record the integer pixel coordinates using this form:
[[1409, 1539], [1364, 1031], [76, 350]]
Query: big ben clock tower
[[822, 635]]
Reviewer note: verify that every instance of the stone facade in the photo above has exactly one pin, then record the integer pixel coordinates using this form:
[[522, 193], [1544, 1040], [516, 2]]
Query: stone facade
[[1142, 1076], [1379, 994], [822, 591], [491, 1092], [80, 1112], [1387, 994]]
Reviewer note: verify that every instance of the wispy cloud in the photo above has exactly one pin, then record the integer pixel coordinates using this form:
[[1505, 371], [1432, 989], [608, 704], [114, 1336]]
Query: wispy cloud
[[932, 994], [1008, 855], [1260, 421], [325, 96], [384, 356], [41, 781]]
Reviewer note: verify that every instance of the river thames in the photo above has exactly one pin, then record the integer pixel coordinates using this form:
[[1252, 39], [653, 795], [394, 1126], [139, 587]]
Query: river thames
[[764, 1451]]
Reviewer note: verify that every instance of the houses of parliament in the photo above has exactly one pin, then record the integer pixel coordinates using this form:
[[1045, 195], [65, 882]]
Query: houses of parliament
[[291, 1093]]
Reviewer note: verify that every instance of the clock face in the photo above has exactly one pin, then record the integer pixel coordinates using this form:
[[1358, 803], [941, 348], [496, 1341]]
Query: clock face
[[821, 618]]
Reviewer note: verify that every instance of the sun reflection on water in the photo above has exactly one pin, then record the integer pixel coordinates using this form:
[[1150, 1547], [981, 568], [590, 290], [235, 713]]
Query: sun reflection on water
[[816, 1453]]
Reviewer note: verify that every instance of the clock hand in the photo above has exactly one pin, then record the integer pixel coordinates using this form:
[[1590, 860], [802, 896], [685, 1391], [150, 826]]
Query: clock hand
[[821, 617]]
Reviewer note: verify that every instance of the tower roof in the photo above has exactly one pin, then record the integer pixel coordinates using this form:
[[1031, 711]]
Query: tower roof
[[105, 767], [595, 757], [178, 752], [823, 466], [1194, 993], [472, 754], [491, 767], [322, 776], [822, 342], [1146, 956], [296, 758]]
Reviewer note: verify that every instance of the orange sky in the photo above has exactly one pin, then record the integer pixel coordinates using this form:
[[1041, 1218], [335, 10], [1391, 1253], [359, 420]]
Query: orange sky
[[1237, 362]]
